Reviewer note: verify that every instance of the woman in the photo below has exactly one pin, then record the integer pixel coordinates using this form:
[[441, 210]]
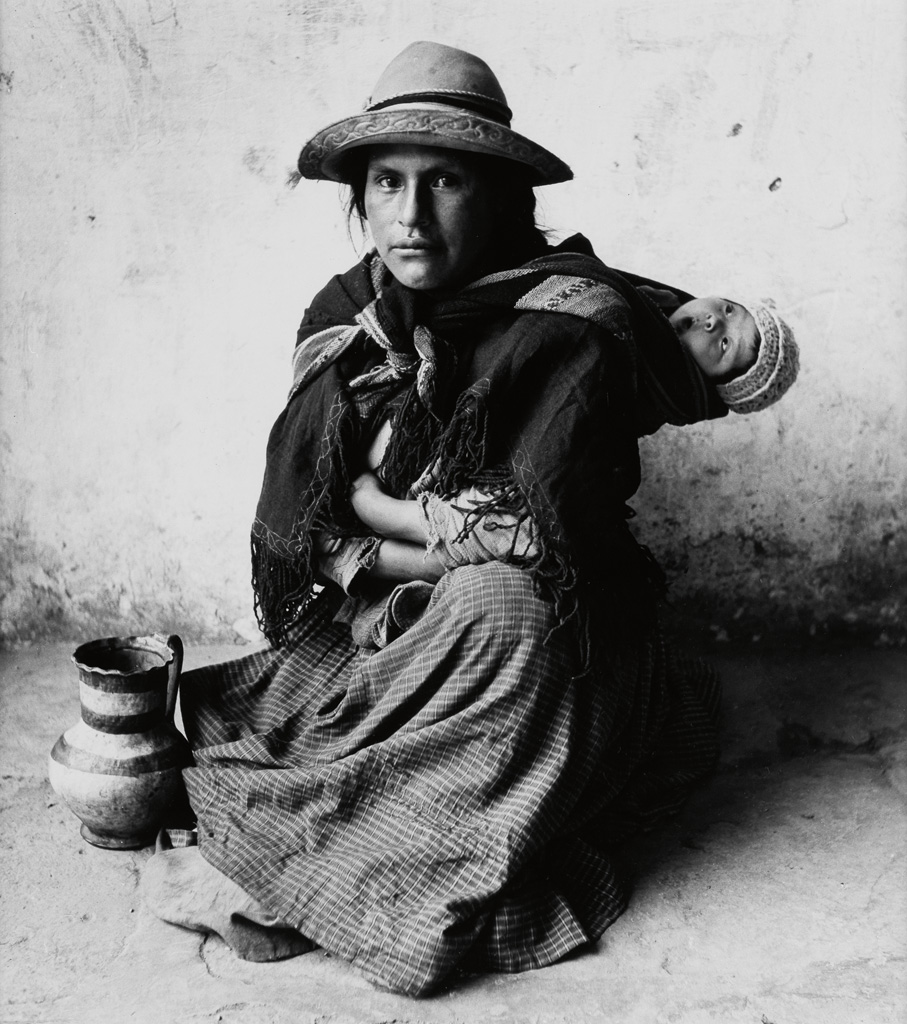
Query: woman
[[468, 699]]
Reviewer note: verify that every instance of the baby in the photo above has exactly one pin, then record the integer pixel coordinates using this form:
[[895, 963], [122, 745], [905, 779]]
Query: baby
[[748, 353]]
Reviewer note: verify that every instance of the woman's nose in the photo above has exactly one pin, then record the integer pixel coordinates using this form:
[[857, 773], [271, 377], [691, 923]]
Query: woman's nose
[[413, 210]]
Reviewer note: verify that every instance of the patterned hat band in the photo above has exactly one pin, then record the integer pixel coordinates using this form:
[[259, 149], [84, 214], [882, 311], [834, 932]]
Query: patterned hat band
[[432, 95], [776, 367]]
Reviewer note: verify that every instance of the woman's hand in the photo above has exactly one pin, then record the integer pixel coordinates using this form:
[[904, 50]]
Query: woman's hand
[[387, 516], [402, 556], [396, 561]]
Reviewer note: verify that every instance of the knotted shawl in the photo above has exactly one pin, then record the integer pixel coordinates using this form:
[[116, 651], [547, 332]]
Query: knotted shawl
[[576, 364]]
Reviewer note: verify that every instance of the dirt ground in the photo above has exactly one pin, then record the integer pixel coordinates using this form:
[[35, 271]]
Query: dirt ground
[[778, 897]]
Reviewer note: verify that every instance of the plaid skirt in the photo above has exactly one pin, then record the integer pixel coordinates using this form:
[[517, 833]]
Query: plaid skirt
[[447, 802]]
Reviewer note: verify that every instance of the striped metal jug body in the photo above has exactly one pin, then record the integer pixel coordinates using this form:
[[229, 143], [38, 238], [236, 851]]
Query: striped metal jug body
[[119, 769]]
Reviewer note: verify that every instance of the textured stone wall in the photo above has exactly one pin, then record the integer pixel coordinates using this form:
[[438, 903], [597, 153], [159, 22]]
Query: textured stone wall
[[155, 265]]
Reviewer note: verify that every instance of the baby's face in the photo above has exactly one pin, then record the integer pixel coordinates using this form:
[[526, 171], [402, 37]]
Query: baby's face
[[719, 334]]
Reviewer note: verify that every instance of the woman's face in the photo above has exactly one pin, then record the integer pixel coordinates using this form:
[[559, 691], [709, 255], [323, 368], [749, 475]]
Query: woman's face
[[429, 212]]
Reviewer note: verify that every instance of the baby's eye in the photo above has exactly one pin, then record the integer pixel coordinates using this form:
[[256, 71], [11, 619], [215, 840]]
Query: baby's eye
[[729, 308], [724, 344]]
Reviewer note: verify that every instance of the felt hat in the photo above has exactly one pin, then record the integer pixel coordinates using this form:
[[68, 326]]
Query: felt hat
[[776, 367], [432, 95]]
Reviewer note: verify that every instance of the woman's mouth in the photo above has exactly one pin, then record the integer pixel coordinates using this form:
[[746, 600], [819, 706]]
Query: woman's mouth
[[414, 245]]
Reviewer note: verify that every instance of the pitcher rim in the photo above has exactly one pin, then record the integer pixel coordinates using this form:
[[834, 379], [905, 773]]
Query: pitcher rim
[[158, 645]]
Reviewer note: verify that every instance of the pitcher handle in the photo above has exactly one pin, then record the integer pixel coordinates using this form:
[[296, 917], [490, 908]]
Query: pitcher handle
[[176, 667]]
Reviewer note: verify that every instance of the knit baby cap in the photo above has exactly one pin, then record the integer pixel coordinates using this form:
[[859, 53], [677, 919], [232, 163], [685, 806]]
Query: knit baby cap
[[775, 368]]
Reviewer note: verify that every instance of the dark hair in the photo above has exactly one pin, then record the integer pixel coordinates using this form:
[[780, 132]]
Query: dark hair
[[513, 199]]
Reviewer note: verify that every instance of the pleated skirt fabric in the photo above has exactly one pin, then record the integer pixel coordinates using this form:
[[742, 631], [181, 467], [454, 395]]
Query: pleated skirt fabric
[[448, 802]]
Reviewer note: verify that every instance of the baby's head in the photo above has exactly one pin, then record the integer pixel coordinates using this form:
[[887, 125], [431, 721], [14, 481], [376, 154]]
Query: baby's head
[[749, 353]]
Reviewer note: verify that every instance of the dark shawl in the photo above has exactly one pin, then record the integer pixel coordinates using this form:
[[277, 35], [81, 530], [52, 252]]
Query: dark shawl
[[575, 365]]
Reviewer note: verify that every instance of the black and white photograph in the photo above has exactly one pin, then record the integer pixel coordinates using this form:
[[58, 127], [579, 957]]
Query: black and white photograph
[[453, 480]]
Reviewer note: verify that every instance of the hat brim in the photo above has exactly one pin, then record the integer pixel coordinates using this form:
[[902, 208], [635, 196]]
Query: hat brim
[[322, 157]]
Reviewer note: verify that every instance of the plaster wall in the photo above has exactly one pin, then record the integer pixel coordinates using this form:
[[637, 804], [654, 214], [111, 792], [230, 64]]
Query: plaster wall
[[155, 265]]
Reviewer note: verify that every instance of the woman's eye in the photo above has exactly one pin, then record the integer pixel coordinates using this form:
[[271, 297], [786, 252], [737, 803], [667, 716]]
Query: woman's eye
[[445, 181]]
